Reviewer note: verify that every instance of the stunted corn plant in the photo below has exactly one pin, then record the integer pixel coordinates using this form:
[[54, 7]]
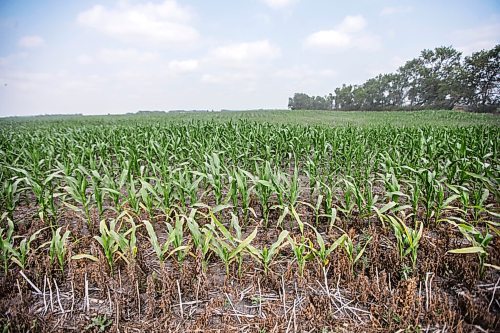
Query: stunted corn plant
[[6, 241], [202, 238], [300, 251], [58, 247], [266, 254], [354, 252], [480, 241], [229, 247]]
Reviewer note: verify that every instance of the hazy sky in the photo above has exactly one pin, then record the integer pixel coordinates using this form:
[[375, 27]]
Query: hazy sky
[[96, 56]]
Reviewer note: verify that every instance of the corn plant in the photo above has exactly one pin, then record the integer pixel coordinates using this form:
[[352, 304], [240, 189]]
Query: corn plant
[[109, 244], [161, 250], [328, 207], [347, 205], [407, 238], [58, 247], [126, 240], [229, 247], [479, 241], [266, 254], [443, 205], [322, 253], [202, 238], [300, 251], [133, 198], [176, 237], [245, 192], [6, 241], [10, 194], [264, 189], [150, 198], [21, 252], [98, 192], [214, 175], [113, 188], [76, 187], [43, 187], [354, 252], [315, 208]]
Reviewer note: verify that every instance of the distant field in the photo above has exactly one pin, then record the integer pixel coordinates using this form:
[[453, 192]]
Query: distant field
[[265, 221], [326, 118]]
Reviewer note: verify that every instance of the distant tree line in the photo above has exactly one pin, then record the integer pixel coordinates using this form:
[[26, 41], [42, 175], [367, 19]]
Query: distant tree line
[[437, 79]]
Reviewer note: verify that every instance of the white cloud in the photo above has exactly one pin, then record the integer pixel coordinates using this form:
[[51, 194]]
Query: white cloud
[[329, 39], [350, 33], [278, 4], [126, 56], [183, 66], [477, 38], [352, 24], [303, 73], [84, 59], [166, 22], [228, 78], [246, 52], [31, 42], [396, 10]]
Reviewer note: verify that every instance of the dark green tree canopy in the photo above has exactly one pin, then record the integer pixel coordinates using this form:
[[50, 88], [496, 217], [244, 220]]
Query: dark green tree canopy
[[437, 79]]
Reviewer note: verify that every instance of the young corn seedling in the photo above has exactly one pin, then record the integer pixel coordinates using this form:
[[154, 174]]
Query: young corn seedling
[[113, 188], [443, 205], [354, 252], [312, 174], [97, 191], [109, 244], [76, 187], [126, 240], [322, 253], [245, 192], [176, 238], [20, 253], [407, 238], [133, 196], [229, 247], [10, 195], [479, 241], [214, 175], [264, 189], [43, 188], [6, 241], [149, 197], [266, 254], [161, 250], [330, 210], [202, 238], [57, 248], [392, 187], [358, 197], [427, 184], [348, 204], [479, 198], [301, 252]]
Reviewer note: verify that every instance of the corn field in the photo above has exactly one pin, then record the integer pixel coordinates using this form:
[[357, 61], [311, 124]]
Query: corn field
[[198, 223]]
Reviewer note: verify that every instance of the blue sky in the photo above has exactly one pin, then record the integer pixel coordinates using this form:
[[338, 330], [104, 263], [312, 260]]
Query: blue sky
[[98, 57]]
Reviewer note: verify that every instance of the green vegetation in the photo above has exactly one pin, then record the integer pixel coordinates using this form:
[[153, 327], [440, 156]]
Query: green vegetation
[[437, 79], [179, 205]]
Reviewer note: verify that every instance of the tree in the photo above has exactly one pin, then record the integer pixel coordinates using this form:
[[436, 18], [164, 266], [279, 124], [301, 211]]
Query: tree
[[481, 79], [301, 101], [344, 98], [437, 79]]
